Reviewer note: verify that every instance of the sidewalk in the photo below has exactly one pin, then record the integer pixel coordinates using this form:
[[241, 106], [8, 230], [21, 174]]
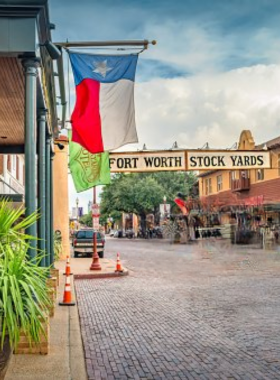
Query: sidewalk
[[80, 268], [65, 360]]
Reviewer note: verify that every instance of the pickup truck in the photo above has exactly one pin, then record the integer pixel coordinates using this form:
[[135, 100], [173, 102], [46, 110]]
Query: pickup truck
[[83, 243]]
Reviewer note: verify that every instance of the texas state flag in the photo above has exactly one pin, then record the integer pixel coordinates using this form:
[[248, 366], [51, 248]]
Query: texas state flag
[[103, 117]]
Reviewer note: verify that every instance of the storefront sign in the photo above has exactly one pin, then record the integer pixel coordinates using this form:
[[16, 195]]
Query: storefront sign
[[181, 160], [217, 160]]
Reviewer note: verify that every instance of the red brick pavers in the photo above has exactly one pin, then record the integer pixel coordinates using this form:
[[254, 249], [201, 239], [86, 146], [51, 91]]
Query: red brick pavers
[[185, 312]]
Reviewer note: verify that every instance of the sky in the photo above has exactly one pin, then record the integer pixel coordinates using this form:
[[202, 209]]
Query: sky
[[214, 71]]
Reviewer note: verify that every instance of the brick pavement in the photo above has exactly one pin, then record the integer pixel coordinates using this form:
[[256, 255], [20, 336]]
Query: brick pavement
[[185, 312]]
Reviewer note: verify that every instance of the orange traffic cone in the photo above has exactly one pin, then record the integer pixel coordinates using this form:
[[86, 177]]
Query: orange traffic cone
[[67, 297], [67, 268], [119, 265]]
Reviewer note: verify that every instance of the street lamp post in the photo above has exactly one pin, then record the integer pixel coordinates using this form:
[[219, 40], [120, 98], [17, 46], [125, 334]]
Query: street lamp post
[[95, 265]]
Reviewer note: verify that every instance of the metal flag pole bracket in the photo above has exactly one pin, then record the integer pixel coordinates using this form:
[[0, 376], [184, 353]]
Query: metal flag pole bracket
[[81, 44]]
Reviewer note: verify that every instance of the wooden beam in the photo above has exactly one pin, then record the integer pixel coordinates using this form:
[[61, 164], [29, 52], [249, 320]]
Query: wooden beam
[[11, 149]]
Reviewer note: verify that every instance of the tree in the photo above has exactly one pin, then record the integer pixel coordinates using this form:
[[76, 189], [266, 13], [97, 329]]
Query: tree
[[86, 220], [132, 193], [142, 193], [175, 182]]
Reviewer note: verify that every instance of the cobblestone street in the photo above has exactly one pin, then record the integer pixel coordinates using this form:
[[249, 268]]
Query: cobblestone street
[[201, 311]]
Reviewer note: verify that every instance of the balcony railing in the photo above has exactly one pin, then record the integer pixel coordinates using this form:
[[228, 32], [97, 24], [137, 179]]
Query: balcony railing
[[241, 184]]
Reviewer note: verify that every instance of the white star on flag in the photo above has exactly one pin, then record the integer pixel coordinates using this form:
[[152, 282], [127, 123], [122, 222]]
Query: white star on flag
[[102, 68]]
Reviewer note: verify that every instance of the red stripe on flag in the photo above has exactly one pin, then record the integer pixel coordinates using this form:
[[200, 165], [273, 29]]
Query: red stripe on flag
[[86, 122]]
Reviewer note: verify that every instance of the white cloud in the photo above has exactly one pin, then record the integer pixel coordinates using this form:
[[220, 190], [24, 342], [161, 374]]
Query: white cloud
[[213, 108]]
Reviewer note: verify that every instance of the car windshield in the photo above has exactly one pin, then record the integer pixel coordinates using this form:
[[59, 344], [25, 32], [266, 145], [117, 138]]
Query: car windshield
[[87, 235]]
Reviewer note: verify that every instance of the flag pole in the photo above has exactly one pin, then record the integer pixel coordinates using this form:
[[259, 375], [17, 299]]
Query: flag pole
[[95, 265], [78, 44]]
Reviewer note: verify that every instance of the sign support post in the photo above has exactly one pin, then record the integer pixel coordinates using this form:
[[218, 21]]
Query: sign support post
[[95, 265]]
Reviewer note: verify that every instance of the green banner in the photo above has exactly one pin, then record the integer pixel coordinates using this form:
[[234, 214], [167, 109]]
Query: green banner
[[88, 170]]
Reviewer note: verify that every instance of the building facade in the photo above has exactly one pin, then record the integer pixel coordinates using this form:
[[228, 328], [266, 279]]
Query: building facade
[[60, 193], [253, 193], [30, 119], [12, 174]]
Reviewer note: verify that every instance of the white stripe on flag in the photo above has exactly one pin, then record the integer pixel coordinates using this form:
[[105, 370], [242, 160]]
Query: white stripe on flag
[[117, 114]]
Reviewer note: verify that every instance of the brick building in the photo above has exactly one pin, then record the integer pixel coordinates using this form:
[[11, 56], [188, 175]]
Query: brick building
[[254, 192]]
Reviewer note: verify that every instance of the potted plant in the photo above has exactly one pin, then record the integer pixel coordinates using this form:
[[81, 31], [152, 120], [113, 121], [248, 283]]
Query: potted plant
[[23, 292]]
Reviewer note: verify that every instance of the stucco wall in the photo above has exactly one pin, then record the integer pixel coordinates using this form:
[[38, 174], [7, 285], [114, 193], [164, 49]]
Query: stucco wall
[[61, 196]]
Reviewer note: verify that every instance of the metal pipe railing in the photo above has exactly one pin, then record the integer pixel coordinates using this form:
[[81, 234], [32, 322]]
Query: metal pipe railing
[[6, 184]]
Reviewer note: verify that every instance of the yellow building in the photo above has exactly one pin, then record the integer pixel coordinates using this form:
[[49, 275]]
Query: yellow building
[[60, 193], [256, 189]]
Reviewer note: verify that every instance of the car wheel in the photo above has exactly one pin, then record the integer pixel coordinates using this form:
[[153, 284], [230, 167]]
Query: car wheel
[[76, 254], [101, 255]]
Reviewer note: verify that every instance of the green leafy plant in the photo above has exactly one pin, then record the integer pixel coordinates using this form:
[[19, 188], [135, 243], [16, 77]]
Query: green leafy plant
[[23, 296], [13, 224], [23, 292]]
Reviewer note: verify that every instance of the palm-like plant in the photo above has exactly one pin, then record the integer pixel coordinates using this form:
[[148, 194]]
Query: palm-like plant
[[13, 224], [23, 292], [23, 296]]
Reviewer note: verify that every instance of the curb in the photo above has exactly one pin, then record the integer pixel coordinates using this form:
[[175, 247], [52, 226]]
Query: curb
[[89, 276]]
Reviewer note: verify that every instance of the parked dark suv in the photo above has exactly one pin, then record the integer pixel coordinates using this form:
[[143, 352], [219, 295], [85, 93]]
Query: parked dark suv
[[83, 243]]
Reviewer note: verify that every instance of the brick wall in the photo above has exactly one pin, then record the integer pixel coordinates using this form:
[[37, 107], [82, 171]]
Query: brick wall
[[269, 189]]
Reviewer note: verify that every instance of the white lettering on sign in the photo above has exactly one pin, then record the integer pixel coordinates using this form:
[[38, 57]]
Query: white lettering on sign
[[147, 162], [228, 160]]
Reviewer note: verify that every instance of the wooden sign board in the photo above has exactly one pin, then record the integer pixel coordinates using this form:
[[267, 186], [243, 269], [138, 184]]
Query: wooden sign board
[[232, 160], [147, 161], [185, 160]]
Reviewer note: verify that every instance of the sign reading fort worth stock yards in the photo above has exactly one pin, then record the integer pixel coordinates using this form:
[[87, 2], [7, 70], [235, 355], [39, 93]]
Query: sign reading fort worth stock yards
[[181, 160]]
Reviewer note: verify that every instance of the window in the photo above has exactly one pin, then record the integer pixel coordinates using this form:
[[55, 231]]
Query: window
[[9, 163], [219, 183], [208, 186], [17, 168], [87, 235], [244, 174], [259, 174], [232, 175]]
